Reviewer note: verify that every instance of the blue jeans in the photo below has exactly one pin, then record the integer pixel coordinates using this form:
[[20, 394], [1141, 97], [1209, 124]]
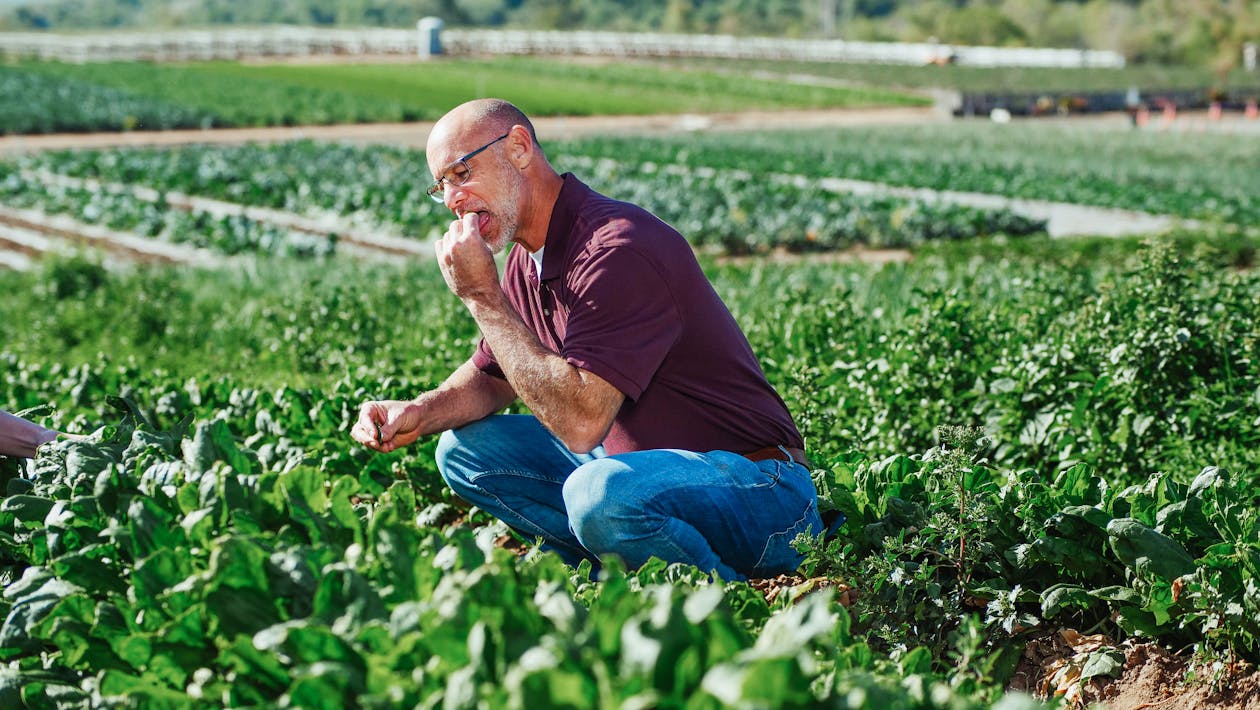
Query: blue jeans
[[715, 510]]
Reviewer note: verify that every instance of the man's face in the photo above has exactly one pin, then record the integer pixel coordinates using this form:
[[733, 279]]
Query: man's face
[[476, 177]]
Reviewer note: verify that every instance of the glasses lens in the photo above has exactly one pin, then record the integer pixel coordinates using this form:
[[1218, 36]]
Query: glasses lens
[[459, 173]]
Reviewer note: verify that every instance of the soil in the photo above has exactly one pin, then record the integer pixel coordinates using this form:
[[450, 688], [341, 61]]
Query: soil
[[1150, 677]]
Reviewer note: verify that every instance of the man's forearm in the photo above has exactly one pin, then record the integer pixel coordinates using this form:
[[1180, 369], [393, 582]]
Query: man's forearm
[[560, 395], [19, 437], [467, 395]]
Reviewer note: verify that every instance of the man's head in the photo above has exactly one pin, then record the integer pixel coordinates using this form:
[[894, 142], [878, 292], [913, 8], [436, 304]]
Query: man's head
[[485, 158]]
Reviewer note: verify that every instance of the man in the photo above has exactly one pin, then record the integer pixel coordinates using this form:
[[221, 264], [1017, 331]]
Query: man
[[653, 429]]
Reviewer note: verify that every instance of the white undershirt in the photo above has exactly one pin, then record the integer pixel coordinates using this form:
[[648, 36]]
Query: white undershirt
[[537, 257]]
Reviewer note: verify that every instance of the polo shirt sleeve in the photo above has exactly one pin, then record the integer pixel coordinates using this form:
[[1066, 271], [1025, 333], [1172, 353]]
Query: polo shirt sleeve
[[484, 360], [623, 320]]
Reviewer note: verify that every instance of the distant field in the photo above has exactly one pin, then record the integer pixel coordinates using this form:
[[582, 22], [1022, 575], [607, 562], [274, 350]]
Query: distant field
[[981, 79], [48, 96], [44, 97]]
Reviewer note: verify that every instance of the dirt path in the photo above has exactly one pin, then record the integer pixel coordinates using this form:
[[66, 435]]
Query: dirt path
[[34, 232], [1063, 219], [364, 241]]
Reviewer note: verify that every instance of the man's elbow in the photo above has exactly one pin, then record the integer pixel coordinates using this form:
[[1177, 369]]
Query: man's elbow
[[583, 437], [580, 444]]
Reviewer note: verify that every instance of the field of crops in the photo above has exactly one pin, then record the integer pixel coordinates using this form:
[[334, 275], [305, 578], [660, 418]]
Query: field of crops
[[1027, 437], [1118, 401], [47, 97], [1145, 77], [718, 210]]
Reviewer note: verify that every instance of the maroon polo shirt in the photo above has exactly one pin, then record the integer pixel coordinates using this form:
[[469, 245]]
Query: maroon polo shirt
[[622, 296]]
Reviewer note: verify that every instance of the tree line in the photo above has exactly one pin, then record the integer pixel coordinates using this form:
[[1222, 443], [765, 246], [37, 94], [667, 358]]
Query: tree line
[[1208, 33]]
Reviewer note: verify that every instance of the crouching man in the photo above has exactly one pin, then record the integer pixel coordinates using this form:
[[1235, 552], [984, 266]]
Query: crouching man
[[653, 430]]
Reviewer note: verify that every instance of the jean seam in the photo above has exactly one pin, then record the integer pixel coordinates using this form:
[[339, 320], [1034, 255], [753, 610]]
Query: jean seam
[[794, 526], [677, 551], [533, 528], [475, 475], [775, 473]]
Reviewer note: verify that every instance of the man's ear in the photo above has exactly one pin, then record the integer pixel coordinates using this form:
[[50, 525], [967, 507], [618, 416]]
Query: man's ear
[[520, 147]]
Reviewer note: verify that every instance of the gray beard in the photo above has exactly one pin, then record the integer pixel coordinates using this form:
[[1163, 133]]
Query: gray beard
[[507, 230], [502, 239]]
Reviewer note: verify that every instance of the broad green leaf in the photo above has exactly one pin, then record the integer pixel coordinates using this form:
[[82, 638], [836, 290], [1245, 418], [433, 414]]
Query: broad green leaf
[[135, 649], [917, 660], [1140, 546], [1117, 593], [87, 567], [117, 686], [160, 571], [32, 605], [325, 685], [29, 509], [152, 528], [239, 563], [260, 667], [1063, 597], [1103, 662]]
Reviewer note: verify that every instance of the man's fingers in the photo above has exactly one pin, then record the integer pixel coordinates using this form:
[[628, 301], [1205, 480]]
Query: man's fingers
[[363, 435], [367, 430]]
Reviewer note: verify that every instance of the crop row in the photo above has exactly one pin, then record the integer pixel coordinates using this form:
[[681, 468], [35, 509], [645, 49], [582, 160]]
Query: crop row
[[738, 212], [230, 496], [123, 212], [33, 103], [178, 566], [726, 211], [1207, 177], [382, 186]]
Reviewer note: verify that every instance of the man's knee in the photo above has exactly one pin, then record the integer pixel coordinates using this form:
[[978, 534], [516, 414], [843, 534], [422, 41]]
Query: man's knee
[[447, 444], [454, 457], [595, 499]]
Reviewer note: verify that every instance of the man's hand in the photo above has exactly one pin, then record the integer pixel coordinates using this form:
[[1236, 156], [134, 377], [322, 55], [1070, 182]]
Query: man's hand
[[466, 261], [387, 425]]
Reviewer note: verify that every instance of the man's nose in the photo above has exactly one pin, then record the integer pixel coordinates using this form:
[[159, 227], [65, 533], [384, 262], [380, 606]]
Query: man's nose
[[453, 196]]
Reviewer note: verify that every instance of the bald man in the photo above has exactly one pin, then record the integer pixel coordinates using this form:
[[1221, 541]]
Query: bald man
[[653, 431]]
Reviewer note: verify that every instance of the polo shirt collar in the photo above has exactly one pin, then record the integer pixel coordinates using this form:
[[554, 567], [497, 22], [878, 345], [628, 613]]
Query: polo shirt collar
[[564, 215]]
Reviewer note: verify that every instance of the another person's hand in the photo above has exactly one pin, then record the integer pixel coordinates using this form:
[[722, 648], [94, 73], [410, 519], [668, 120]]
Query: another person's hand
[[387, 425], [21, 437]]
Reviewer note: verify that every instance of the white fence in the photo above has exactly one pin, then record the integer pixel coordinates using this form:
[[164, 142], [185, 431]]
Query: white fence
[[618, 44], [208, 44], [304, 41]]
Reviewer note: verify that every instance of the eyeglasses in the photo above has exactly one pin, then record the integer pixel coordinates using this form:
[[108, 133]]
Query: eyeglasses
[[459, 172]]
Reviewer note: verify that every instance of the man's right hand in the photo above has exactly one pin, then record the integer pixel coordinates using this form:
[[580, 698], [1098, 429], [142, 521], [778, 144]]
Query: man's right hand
[[387, 425]]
